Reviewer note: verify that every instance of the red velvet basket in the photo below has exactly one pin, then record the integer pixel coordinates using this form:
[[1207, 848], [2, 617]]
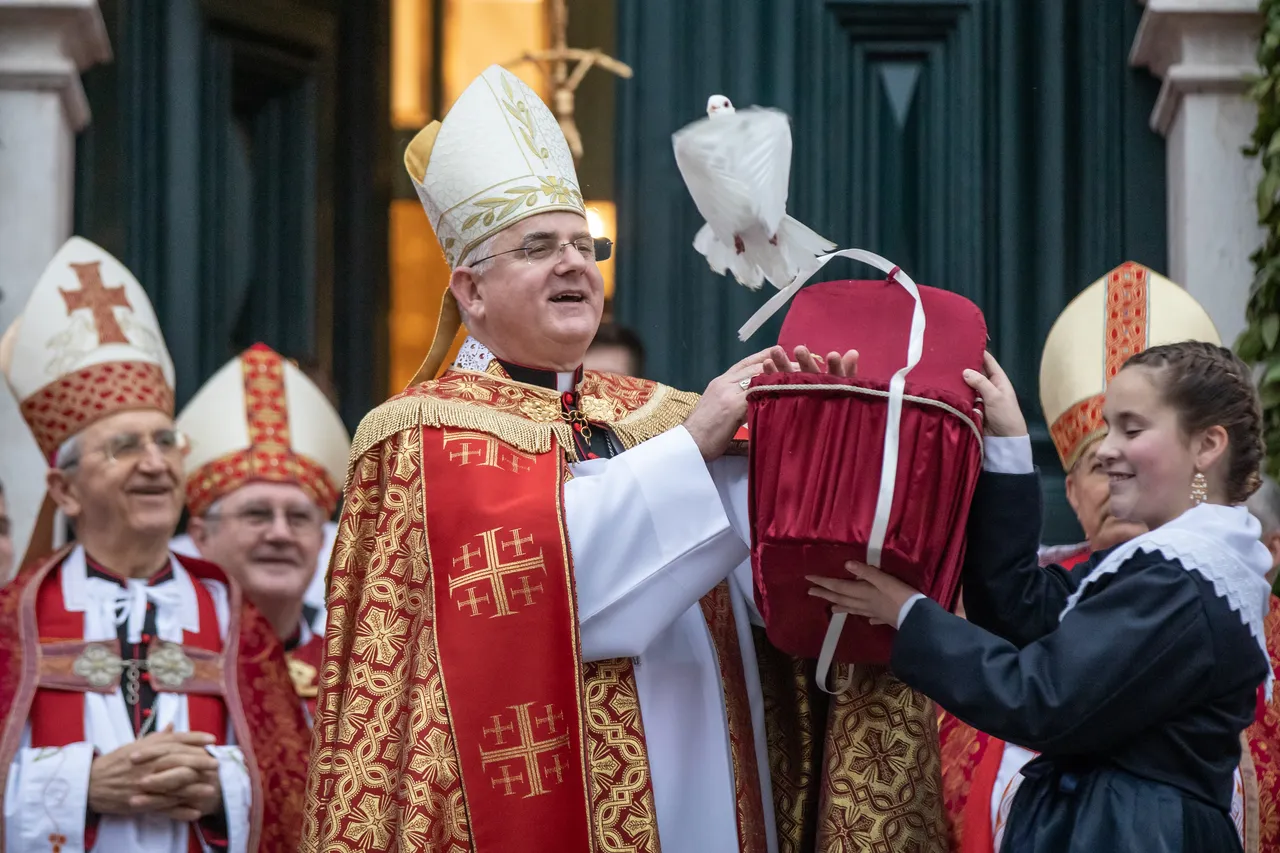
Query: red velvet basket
[[817, 448]]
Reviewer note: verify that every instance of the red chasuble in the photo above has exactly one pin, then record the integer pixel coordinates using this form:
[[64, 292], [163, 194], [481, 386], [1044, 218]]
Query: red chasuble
[[455, 711], [246, 682]]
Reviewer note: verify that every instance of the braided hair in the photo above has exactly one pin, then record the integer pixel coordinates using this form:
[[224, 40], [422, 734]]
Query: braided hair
[[1209, 385]]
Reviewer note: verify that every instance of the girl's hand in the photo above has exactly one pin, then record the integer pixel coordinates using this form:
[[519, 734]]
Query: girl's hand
[[1000, 403], [874, 594]]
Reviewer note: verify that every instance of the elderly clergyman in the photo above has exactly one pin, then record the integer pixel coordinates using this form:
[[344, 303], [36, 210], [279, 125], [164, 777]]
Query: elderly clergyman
[[537, 637], [145, 706], [267, 457]]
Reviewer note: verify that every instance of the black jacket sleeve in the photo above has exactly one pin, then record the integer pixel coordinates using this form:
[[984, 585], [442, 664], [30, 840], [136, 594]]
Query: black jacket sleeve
[[1005, 589], [1131, 653]]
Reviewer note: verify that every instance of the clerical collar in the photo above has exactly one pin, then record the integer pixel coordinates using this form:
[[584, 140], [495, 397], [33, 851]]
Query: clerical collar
[[96, 569], [476, 356]]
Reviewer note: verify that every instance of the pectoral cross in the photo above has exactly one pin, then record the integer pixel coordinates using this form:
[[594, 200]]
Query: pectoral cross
[[564, 83], [100, 300]]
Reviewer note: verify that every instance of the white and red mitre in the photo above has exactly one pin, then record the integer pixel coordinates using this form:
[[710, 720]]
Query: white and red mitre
[[1123, 313], [86, 345], [260, 419]]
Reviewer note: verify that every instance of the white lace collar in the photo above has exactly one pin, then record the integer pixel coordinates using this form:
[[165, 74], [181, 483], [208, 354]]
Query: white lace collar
[[1221, 544], [476, 356]]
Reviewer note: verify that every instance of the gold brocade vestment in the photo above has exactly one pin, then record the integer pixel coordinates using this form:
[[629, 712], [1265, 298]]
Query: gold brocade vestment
[[406, 758]]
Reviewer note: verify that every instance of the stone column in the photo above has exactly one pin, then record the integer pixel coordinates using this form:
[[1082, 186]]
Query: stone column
[[44, 45], [1204, 51]]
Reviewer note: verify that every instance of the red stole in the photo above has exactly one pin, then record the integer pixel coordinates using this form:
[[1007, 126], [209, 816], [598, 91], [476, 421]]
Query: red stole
[[57, 717], [1264, 748], [507, 640], [970, 764]]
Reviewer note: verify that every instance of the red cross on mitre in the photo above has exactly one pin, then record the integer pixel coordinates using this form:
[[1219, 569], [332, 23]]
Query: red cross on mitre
[[100, 300]]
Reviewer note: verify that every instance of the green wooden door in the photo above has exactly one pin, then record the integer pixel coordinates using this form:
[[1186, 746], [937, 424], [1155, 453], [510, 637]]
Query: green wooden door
[[238, 163], [996, 148]]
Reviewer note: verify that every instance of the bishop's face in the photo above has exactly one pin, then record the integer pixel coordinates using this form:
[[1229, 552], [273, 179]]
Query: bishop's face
[[125, 479], [535, 301], [268, 537]]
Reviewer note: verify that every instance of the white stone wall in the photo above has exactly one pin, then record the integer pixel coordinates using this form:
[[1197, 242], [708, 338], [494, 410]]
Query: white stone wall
[[1204, 51], [44, 45]]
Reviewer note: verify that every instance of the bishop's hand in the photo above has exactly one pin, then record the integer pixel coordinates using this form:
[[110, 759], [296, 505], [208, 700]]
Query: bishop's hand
[[1002, 417], [835, 364], [723, 407]]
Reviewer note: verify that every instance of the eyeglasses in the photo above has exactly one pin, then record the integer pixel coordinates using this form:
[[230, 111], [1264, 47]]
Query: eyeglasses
[[129, 447], [258, 518], [594, 250]]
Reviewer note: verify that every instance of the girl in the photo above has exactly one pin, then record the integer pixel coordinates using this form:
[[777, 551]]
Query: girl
[[1134, 675]]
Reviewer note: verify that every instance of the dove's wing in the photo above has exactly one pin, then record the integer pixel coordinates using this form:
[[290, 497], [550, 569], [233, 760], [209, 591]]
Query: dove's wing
[[760, 155], [704, 155]]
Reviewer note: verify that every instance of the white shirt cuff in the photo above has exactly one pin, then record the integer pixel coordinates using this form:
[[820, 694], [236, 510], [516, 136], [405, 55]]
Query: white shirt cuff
[[236, 795], [906, 608], [1008, 454]]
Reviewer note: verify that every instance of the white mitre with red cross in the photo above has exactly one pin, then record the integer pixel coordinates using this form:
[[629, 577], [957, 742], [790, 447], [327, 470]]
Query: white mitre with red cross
[[260, 419], [86, 345]]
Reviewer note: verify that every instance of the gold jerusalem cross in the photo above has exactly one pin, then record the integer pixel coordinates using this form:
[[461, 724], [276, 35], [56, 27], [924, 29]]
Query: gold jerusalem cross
[[529, 752], [494, 573], [100, 300]]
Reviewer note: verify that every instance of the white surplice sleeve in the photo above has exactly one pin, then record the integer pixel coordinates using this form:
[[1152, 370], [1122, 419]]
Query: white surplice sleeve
[[47, 795], [649, 536], [233, 776]]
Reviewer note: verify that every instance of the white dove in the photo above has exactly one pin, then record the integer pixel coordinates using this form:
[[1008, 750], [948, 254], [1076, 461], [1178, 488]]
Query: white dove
[[737, 165]]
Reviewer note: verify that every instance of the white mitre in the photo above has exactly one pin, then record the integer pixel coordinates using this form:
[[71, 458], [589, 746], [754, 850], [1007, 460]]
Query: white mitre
[[260, 419], [86, 345], [498, 157], [1128, 310]]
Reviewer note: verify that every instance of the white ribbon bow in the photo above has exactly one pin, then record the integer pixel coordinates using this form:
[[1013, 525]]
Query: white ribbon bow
[[129, 604]]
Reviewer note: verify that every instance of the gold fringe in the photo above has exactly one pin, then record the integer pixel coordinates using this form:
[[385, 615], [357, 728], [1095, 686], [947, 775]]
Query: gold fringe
[[665, 410]]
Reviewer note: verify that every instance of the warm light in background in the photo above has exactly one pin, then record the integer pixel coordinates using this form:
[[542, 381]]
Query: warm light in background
[[602, 221], [410, 62], [479, 33], [476, 34]]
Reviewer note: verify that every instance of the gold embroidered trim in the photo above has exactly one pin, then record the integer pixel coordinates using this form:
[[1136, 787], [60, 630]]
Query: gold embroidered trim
[[524, 416]]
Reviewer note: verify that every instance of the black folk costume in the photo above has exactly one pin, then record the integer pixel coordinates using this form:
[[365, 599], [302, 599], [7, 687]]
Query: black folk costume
[[1133, 676]]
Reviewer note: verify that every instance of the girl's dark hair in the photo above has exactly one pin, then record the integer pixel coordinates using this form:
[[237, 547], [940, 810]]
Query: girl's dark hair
[[1209, 385]]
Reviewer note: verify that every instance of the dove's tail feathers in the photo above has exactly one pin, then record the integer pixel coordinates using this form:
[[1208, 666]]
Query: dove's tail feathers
[[724, 258], [793, 247], [799, 244]]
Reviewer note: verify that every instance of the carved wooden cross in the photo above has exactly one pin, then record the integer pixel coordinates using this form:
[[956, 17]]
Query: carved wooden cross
[[564, 83]]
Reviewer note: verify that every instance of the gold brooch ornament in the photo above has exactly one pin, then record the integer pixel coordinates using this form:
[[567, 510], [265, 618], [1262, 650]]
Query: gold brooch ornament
[[303, 676], [542, 411], [98, 665], [600, 410]]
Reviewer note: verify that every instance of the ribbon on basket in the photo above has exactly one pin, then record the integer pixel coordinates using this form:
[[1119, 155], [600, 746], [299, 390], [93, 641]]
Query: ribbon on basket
[[897, 389]]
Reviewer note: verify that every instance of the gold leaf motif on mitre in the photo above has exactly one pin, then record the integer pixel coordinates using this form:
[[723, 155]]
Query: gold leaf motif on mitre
[[539, 410], [601, 410]]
